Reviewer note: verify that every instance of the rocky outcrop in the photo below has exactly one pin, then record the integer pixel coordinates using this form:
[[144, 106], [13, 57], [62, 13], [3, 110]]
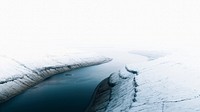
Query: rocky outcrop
[[19, 74]]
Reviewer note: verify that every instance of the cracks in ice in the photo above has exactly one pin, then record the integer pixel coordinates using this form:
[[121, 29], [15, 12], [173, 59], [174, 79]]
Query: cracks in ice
[[176, 101], [131, 71], [16, 78], [39, 72], [135, 85], [182, 100], [167, 102], [21, 64], [163, 106], [11, 79], [164, 102]]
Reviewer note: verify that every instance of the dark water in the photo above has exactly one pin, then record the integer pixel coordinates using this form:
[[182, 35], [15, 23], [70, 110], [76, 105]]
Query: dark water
[[67, 92]]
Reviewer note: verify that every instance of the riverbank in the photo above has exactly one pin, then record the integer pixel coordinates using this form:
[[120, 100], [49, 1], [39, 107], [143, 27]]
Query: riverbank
[[70, 93], [20, 73], [115, 93], [165, 84]]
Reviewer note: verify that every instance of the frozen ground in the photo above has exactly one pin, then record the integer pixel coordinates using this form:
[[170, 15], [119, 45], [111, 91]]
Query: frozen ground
[[19, 71], [166, 84]]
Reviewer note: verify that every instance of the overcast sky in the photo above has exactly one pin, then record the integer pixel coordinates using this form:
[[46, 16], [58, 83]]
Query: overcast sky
[[140, 24]]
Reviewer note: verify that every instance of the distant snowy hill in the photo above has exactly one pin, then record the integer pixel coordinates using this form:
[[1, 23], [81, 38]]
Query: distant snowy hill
[[19, 71], [166, 84]]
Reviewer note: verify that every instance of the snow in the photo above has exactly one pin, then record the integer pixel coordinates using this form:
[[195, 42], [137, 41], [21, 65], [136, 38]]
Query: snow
[[168, 84], [22, 70], [115, 93], [165, 84], [150, 54]]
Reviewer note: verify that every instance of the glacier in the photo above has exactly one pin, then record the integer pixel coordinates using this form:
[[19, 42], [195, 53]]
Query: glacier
[[165, 84], [19, 72]]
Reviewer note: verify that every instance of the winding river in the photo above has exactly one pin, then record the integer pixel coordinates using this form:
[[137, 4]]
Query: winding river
[[70, 91]]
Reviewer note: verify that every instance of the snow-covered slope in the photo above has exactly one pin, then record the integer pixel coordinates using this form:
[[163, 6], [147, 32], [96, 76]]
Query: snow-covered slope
[[115, 93], [166, 84], [21, 71]]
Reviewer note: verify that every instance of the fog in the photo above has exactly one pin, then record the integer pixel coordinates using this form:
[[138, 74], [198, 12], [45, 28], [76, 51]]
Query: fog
[[135, 24]]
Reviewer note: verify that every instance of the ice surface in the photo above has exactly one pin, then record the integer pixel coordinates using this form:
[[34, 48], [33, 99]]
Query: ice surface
[[166, 84]]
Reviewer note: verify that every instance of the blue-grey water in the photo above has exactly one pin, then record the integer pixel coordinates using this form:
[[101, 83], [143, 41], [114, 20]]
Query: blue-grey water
[[67, 92]]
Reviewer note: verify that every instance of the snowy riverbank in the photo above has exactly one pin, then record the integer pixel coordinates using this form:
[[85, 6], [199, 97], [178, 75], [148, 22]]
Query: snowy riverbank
[[165, 84], [19, 72]]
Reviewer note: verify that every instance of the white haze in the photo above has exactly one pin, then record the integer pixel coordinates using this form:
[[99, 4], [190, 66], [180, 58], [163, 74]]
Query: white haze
[[137, 24]]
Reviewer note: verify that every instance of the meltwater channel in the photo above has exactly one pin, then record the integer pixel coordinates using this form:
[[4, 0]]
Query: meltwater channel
[[70, 91]]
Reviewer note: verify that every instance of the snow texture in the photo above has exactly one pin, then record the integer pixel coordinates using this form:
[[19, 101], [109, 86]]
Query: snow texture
[[115, 93], [166, 84], [21, 71]]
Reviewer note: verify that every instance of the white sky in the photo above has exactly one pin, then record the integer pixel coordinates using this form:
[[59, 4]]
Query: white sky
[[139, 24]]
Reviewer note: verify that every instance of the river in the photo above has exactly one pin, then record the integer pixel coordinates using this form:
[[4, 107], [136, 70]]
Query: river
[[70, 91]]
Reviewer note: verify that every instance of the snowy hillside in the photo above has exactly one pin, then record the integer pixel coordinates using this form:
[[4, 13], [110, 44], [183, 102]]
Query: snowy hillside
[[21, 71], [166, 84]]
